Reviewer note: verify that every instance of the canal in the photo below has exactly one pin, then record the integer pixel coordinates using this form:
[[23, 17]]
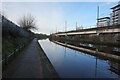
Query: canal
[[70, 63]]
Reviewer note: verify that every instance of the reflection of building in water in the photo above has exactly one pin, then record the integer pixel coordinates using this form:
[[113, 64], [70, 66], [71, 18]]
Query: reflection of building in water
[[115, 67]]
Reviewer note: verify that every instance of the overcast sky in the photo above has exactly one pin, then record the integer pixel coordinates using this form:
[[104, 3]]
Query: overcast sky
[[50, 15]]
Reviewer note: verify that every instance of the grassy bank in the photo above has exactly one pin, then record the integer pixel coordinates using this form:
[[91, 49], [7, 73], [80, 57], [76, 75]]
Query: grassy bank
[[14, 39], [11, 47]]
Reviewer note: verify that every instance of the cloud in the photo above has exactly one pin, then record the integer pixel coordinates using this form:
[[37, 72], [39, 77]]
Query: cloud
[[48, 15]]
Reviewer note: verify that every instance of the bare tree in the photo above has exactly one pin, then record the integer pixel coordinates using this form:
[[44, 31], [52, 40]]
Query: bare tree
[[27, 22]]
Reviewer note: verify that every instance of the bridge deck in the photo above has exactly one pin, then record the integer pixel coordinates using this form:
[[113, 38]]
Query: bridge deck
[[92, 31]]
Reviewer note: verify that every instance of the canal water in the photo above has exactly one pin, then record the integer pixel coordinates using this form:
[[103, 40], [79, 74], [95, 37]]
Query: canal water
[[70, 63]]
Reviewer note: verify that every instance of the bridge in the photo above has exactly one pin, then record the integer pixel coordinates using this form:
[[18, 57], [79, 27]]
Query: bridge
[[107, 35], [99, 30]]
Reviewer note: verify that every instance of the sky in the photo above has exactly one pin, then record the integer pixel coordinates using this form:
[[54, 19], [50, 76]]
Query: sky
[[51, 16]]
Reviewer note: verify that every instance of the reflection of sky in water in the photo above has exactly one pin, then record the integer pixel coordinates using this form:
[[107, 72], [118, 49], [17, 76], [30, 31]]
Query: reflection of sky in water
[[71, 63]]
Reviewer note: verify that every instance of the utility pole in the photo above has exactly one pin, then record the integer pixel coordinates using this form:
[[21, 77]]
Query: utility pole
[[76, 25], [65, 26], [98, 35], [56, 29], [97, 19], [97, 15]]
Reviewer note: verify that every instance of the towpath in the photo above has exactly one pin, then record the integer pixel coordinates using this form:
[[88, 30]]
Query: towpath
[[31, 63]]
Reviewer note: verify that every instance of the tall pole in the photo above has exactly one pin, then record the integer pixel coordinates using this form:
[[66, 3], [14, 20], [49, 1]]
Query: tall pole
[[76, 25], [97, 20], [98, 35], [97, 15], [56, 29], [65, 26]]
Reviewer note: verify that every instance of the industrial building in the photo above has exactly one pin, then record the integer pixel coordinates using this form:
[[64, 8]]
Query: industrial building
[[105, 21], [115, 15]]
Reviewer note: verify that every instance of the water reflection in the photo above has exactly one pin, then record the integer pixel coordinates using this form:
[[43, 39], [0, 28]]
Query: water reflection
[[102, 48], [115, 67], [65, 52], [70, 63]]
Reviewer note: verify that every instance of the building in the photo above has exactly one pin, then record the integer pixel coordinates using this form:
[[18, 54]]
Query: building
[[105, 21], [115, 15]]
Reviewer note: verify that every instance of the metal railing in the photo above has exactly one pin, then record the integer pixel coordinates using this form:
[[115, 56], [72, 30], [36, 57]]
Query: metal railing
[[10, 57]]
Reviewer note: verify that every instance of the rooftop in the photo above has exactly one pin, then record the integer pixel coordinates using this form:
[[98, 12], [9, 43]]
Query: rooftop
[[103, 18], [118, 5]]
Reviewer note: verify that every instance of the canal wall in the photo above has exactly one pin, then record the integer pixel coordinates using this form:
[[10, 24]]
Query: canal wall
[[48, 71], [102, 55], [103, 39]]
